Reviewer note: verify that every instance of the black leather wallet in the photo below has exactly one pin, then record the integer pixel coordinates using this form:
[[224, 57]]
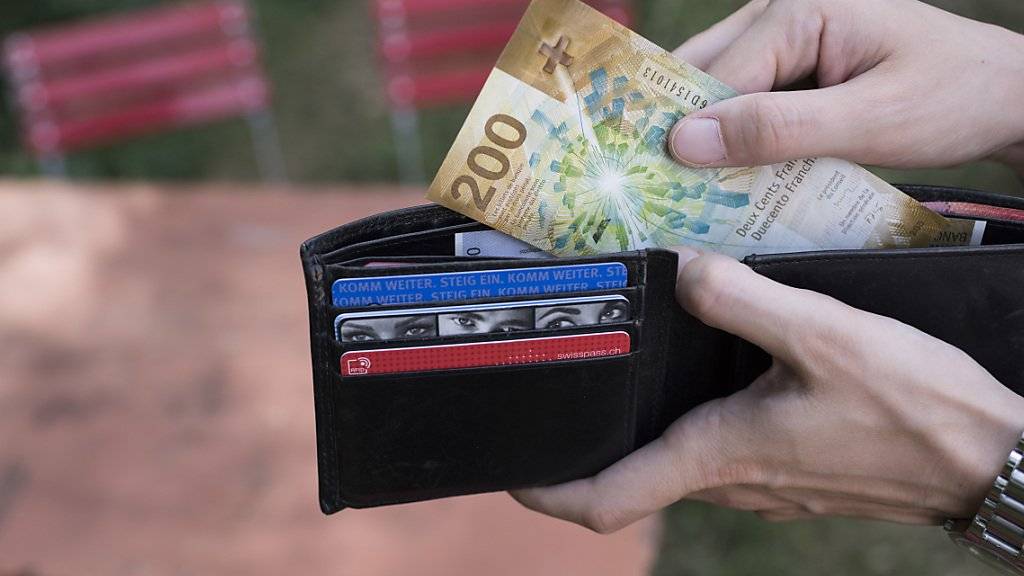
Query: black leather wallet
[[389, 439]]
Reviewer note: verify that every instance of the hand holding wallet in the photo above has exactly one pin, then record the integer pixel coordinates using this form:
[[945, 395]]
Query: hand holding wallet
[[402, 437], [859, 415]]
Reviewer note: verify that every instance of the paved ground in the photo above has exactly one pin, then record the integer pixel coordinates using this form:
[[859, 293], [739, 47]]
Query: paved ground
[[156, 407]]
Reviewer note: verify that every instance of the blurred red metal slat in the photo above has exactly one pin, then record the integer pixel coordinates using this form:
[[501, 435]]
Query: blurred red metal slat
[[414, 8], [122, 33], [164, 71], [399, 48], [438, 88], [245, 95]]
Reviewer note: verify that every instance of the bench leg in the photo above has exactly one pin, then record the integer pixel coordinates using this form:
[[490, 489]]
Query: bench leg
[[53, 166], [267, 146], [406, 128]]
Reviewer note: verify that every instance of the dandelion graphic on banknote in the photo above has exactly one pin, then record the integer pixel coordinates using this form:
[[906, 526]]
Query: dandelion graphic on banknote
[[614, 187]]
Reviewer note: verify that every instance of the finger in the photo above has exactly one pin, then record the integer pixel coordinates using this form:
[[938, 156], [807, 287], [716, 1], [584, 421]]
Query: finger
[[701, 49], [779, 47], [725, 294], [768, 128], [647, 480]]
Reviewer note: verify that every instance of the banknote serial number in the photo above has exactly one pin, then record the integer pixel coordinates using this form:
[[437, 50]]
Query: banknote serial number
[[490, 163], [674, 87]]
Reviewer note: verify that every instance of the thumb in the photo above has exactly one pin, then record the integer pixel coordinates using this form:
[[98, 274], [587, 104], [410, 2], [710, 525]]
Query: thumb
[[695, 453], [770, 127], [723, 293], [685, 459]]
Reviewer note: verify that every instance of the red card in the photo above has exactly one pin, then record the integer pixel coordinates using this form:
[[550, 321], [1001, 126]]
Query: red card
[[971, 210], [477, 354]]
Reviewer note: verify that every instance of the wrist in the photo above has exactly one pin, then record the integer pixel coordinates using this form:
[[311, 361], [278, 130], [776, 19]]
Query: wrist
[[1001, 432], [995, 535], [1002, 56], [1017, 78]]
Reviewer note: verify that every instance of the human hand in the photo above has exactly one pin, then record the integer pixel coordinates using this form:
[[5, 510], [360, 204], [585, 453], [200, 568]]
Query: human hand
[[902, 84], [860, 415]]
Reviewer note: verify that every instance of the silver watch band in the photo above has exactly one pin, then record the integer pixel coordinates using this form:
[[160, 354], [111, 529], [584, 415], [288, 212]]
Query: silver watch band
[[1000, 521]]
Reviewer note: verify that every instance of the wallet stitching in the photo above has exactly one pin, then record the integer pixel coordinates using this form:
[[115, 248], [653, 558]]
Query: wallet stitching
[[657, 402], [332, 461], [629, 429], [641, 283], [973, 254], [952, 194], [652, 417]]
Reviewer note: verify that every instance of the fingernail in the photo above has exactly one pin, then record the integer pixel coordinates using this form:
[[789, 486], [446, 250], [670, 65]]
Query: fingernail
[[686, 254], [697, 142]]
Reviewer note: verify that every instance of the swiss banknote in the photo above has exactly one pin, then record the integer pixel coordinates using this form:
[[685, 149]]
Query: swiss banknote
[[565, 149]]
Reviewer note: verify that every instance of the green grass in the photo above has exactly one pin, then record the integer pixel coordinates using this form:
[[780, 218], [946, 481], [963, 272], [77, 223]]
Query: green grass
[[330, 109], [700, 540]]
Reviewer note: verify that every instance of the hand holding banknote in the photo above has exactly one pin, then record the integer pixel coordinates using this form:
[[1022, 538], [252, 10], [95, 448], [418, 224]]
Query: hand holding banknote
[[902, 84], [860, 416], [566, 149]]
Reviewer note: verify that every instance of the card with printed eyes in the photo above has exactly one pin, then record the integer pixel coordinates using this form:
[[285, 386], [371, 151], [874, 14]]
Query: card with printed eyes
[[555, 314]]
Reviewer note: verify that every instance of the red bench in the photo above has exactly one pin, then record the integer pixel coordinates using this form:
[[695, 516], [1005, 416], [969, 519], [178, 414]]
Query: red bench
[[440, 52], [91, 83]]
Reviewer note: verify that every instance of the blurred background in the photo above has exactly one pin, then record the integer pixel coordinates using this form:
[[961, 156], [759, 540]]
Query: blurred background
[[155, 391], [330, 101]]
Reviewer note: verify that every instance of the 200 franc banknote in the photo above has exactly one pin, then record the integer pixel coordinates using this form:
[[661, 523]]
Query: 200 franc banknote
[[566, 149]]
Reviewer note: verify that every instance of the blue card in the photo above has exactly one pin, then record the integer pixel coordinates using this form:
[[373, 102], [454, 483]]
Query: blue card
[[477, 284]]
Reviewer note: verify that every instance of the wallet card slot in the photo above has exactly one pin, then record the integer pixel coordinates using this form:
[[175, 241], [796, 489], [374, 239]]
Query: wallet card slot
[[435, 434], [483, 370], [400, 222], [999, 232], [630, 327], [631, 260], [450, 283], [434, 242], [403, 261], [631, 293]]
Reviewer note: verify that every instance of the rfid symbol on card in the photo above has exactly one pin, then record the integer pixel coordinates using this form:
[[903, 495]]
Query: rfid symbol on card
[[360, 365]]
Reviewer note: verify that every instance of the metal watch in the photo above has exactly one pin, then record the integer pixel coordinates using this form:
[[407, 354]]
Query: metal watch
[[996, 534]]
